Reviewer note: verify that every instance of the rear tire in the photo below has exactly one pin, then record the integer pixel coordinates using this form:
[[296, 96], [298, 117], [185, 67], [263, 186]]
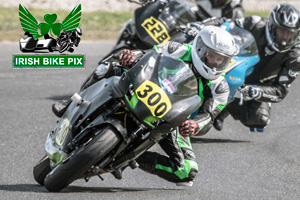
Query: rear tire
[[86, 156], [41, 169]]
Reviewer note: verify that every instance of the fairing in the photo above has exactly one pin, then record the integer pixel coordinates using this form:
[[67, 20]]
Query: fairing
[[174, 95], [241, 65]]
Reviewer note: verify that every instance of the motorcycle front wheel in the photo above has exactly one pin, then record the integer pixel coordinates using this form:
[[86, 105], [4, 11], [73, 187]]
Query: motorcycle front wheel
[[41, 169], [85, 157]]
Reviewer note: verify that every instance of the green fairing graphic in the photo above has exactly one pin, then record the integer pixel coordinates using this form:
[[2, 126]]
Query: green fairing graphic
[[31, 25]]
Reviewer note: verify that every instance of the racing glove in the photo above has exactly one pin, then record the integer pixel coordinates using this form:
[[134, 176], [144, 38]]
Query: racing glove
[[191, 29], [251, 92], [188, 128], [126, 58]]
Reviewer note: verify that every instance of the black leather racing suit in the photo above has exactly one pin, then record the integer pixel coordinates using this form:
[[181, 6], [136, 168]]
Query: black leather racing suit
[[273, 75], [179, 165]]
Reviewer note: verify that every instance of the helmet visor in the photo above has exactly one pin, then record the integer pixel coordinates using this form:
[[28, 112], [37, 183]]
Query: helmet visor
[[284, 37], [215, 61], [219, 3]]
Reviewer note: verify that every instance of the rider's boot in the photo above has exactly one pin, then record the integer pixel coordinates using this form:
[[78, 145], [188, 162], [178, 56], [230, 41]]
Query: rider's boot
[[60, 107], [257, 129], [148, 161], [185, 184]]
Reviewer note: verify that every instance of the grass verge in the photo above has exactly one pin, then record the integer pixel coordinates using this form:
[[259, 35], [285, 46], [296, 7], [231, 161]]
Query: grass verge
[[99, 25]]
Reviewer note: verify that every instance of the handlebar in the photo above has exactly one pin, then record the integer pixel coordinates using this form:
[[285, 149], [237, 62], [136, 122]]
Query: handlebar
[[190, 29], [241, 97]]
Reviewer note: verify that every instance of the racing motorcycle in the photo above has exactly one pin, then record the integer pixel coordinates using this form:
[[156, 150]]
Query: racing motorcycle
[[109, 124], [158, 21], [154, 23]]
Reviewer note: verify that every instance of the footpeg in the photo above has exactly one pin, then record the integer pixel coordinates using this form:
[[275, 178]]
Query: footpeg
[[134, 165], [117, 174]]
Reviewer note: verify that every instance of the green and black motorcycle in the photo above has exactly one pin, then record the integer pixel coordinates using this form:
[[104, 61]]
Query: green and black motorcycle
[[109, 124]]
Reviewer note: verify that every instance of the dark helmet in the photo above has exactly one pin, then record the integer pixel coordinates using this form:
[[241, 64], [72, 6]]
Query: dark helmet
[[283, 27], [219, 3]]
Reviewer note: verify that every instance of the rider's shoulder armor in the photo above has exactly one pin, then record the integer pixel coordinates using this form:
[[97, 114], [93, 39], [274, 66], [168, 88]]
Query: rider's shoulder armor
[[220, 91], [222, 87]]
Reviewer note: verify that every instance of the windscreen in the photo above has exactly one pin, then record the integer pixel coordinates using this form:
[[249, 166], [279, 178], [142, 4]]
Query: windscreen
[[176, 78], [176, 13], [245, 41]]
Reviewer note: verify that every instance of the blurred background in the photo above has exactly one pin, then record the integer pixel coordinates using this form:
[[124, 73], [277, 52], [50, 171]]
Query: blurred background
[[101, 19]]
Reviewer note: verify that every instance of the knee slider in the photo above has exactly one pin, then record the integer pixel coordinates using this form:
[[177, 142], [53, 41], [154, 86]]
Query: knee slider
[[264, 120], [264, 115]]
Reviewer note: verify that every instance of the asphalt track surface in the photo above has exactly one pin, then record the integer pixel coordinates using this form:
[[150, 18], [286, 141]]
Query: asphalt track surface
[[233, 164]]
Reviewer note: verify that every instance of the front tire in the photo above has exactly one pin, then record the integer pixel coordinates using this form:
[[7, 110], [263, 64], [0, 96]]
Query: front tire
[[86, 156], [41, 169]]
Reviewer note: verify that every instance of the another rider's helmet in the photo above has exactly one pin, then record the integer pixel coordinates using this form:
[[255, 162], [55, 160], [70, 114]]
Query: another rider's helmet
[[283, 27], [213, 48]]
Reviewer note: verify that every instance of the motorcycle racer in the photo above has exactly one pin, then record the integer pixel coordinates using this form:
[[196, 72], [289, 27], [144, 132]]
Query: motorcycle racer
[[277, 38], [209, 56]]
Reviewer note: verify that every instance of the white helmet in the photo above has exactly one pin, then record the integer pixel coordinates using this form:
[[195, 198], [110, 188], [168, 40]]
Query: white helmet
[[212, 51]]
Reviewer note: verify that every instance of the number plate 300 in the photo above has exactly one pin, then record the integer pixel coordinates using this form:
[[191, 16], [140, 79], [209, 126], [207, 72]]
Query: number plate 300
[[154, 98]]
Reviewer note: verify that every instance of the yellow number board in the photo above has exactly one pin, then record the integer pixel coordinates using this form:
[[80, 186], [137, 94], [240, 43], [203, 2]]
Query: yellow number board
[[62, 132], [156, 30], [154, 98]]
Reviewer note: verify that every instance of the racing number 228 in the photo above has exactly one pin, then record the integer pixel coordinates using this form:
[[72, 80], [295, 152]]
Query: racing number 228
[[156, 29], [154, 98]]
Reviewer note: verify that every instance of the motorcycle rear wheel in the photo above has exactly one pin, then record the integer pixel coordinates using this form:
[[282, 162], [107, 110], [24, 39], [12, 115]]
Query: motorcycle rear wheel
[[41, 169], [85, 157]]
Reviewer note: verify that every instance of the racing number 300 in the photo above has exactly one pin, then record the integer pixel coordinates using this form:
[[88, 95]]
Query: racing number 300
[[154, 98]]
